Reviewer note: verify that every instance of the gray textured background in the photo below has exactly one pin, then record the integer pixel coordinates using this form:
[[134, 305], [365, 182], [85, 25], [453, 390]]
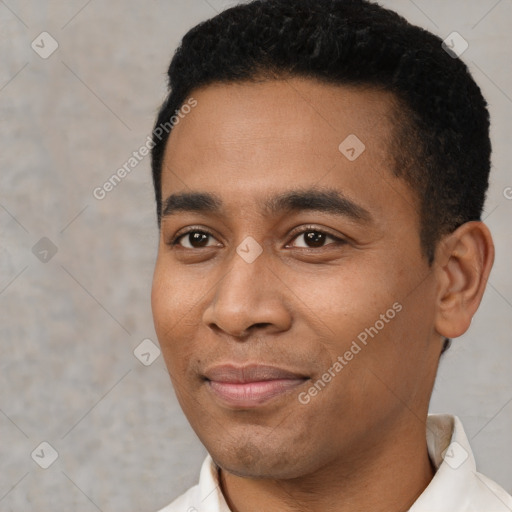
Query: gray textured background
[[69, 326]]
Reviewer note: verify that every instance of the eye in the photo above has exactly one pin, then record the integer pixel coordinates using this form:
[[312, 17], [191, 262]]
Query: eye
[[195, 239], [311, 238], [314, 238]]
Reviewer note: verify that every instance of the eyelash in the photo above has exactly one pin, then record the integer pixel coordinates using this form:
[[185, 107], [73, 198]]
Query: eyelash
[[337, 240]]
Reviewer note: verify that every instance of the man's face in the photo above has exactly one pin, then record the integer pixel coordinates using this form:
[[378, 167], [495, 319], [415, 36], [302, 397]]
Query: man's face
[[315, 282]]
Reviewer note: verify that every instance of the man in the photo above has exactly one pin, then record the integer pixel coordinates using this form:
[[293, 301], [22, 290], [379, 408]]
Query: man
[[319, 191]]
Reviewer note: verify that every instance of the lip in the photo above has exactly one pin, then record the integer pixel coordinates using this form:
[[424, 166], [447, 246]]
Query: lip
[[250, 385]]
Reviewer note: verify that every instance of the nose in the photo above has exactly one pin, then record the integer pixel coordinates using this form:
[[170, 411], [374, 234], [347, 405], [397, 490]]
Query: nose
[[249, 297]]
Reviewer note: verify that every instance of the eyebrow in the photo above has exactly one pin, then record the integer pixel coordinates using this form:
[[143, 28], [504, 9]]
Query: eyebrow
[[314, 199]]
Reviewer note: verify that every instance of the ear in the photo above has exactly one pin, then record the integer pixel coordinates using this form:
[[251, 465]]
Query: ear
[[464, 260]]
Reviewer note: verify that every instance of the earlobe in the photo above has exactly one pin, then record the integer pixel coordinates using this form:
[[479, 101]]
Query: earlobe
[[464, 260]]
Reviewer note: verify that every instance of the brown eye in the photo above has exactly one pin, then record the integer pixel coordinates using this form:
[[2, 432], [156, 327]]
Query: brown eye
[[194, 239], [314, 238]]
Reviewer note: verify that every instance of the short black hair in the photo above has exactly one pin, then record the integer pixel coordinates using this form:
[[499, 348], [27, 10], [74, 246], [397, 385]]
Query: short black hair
[[441, 145]]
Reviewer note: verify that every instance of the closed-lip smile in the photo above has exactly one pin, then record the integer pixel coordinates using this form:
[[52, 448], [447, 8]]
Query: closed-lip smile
[[250, 385]]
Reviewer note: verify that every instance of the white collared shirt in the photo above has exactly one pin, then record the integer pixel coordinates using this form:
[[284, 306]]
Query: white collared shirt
[[456, 486]]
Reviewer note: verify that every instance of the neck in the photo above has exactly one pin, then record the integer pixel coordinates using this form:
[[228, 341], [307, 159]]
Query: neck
[[388, 477]]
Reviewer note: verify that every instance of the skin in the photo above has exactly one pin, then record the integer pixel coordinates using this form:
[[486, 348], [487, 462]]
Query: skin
[[359, 444]]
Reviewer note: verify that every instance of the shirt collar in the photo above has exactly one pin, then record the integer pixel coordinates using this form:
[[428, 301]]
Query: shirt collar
[[451, 455]]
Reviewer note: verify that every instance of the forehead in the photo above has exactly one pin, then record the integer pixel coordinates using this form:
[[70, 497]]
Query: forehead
[[296, 110], [243, 139]]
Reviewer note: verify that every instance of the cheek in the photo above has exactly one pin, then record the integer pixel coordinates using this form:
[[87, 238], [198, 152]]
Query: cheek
[[173, 299], [164, 301], [376, 317], [175, 294], [343, 302]]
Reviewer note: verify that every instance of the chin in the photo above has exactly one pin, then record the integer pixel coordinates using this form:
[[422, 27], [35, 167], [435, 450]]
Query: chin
[[261, 460]]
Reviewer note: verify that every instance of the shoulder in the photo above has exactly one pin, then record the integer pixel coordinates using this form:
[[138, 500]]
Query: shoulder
[[487, 493], [457, 486]]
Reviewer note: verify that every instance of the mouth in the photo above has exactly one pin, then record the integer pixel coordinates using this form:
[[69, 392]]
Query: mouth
[[251, 385]]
